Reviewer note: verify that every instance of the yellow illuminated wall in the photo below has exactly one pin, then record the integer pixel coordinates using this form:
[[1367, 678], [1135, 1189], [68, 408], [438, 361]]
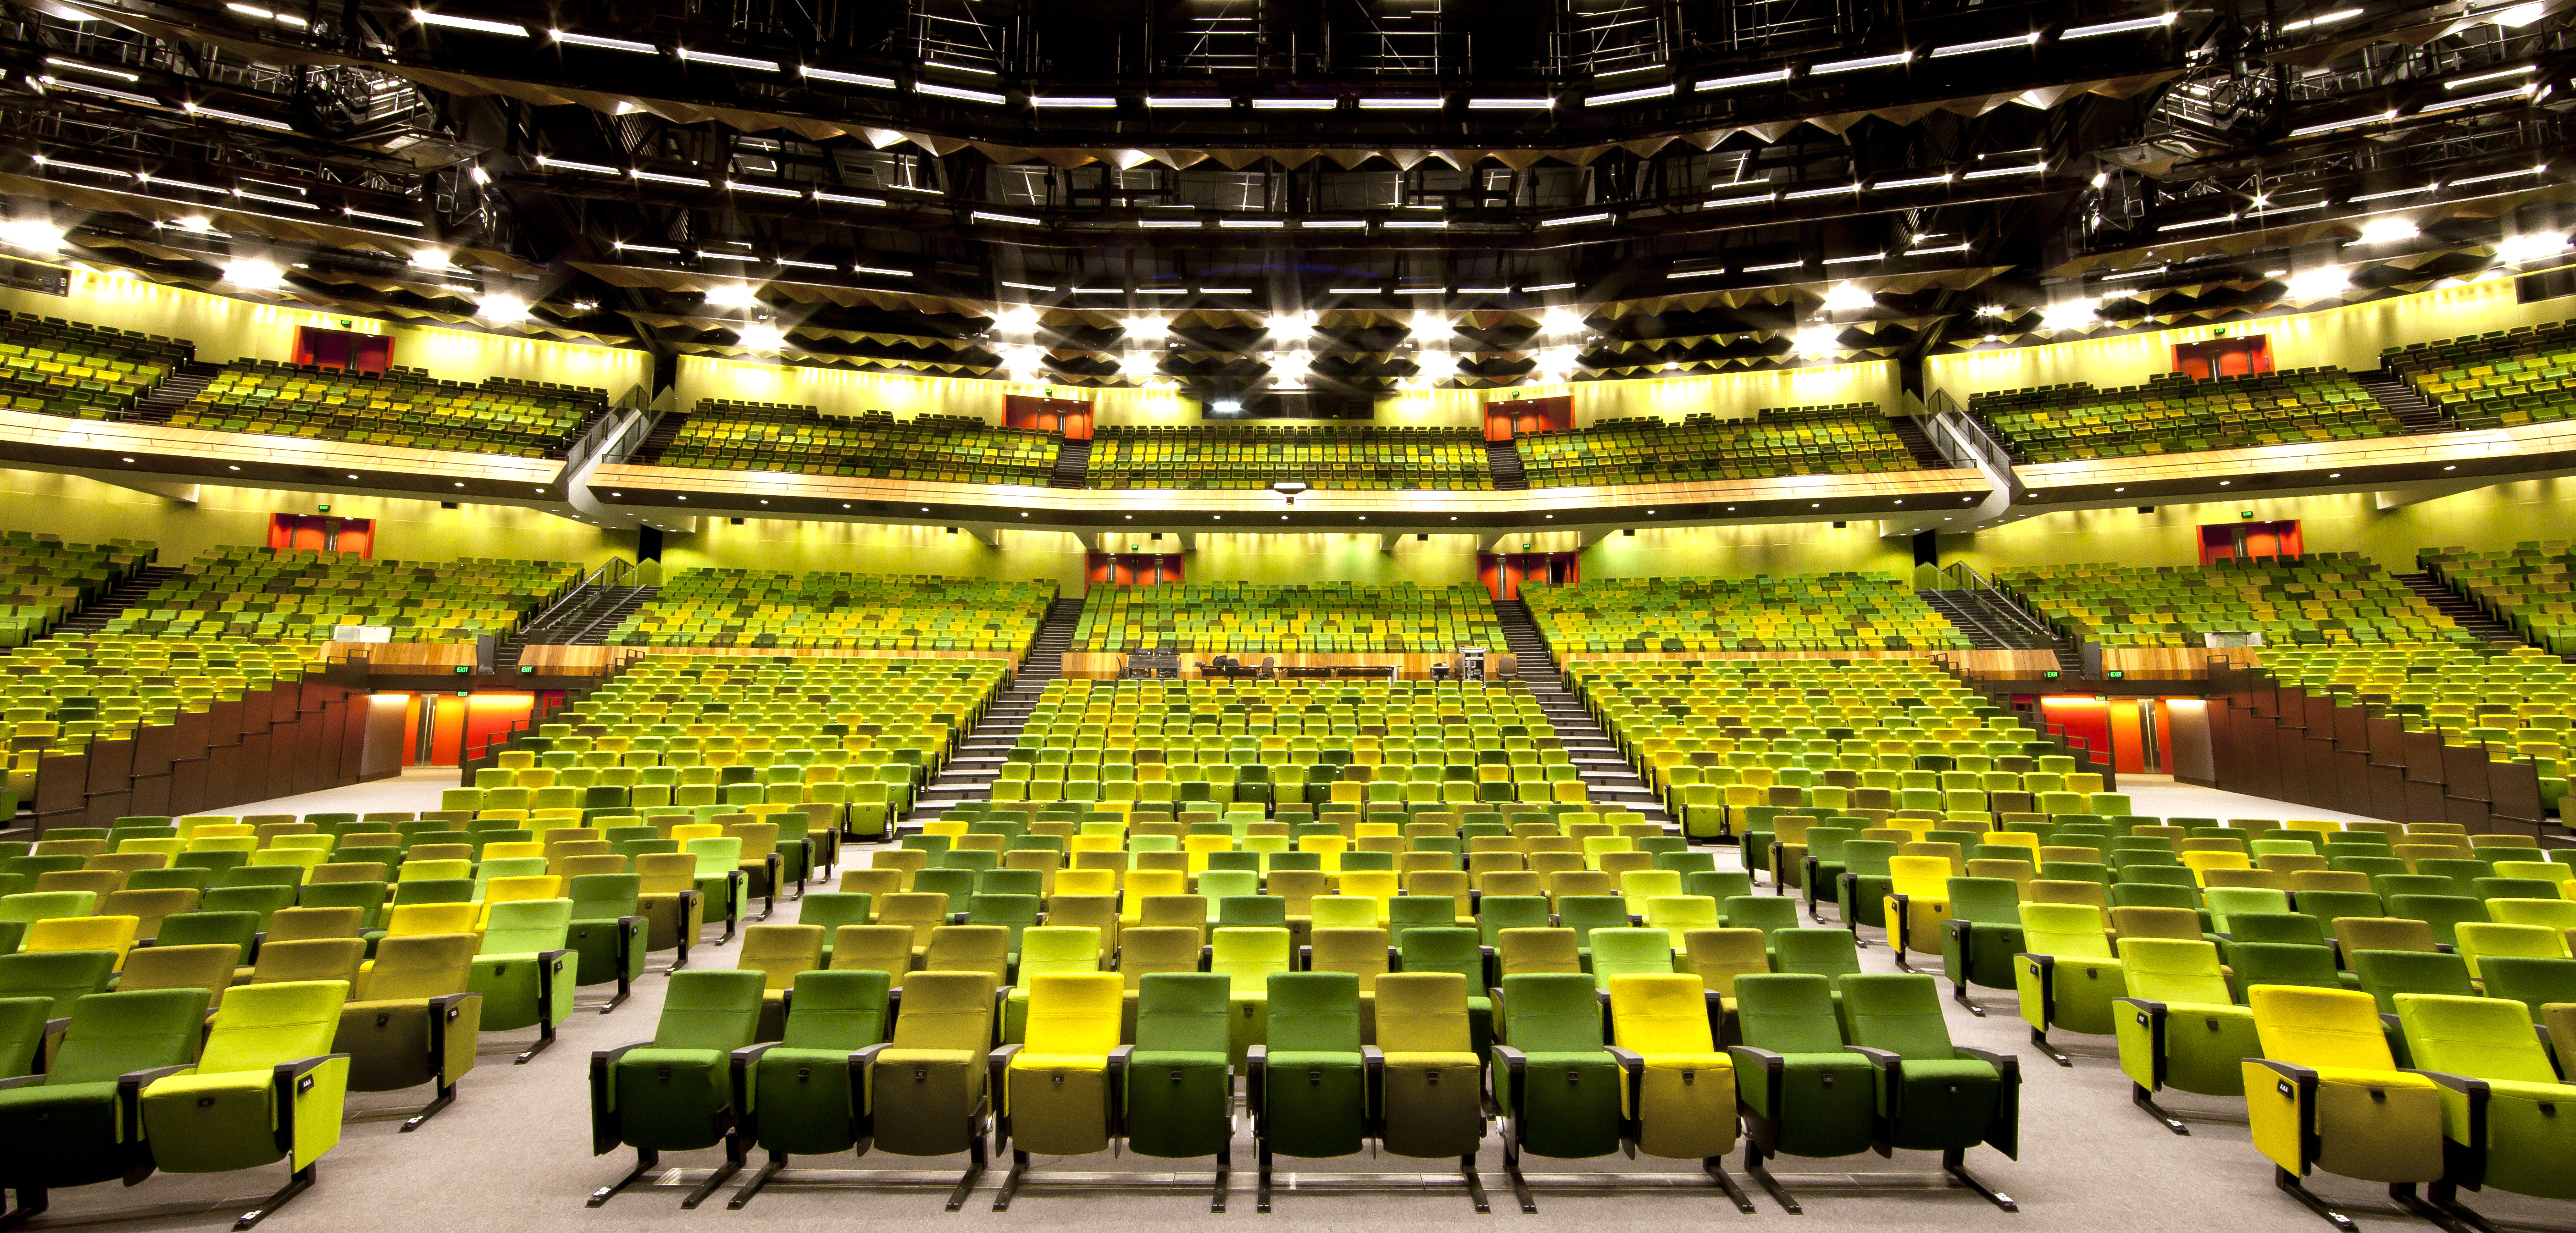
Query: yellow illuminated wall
[[2349, 337], [225, 329], [837, 392], [1743, 551], [2495, 517], [87, 511]]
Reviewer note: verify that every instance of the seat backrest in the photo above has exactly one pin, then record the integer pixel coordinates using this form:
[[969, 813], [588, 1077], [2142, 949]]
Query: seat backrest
[[262, 1025], [837, 1011], [2478, 1038], [2066, 929], [2171, 970], [1623, 952], [1553, 1012], [2479, 939], [527, 926], [1538, 950], [779, 952], [709, 1009], [1183, 1012], [2361, 933], [292, 924], [880, 948], [1899, 1013], [1818, 951], [2319, 1027], [2532, 980], [423, 966], [1314, 1012], [2387, 973], [1422, 1012], [1145, 950], [2154, 923], [1660, 1014], [947, 1010], [1074, 1014], [1786, 1013], [1245, 956], [969, 948], [140, 1029]]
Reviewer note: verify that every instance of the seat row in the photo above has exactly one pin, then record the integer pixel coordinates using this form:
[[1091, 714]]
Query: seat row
[[1149, 1064]]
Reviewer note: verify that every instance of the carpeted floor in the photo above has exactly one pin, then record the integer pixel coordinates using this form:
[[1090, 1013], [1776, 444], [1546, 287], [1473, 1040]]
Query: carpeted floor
[[513, 1153]]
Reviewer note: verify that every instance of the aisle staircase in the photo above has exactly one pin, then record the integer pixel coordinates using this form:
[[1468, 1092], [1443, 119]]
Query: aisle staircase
[[2460, 609], [1607, 777], [1919, 443], [969, 775], [124, 595], [665, 430], [1504, 462], [1072, 459], [2411, 408], [177, 390]]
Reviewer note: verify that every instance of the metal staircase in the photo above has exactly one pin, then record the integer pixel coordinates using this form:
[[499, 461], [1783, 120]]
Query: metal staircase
[[1987, 628], [969, 775], [1607, 777], [1504, 461]]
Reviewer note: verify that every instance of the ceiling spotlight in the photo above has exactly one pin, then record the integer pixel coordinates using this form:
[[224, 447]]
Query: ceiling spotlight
[[763, 336], [1291, 327], [2388, 230], [2530, 246], [2318, 284], [254, 274], [1147, 327], [1846, 297], [732, 295], [2070, 315], [502, 307], [35, 235], [1817, 341]]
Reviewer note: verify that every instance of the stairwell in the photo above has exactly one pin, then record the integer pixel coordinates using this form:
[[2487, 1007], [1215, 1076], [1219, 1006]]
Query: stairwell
[[1504, 462], [1918, 443], [174, 392], [2467, 615], [1607, 777], [124, 595], [2411, 408], [665, 429], [969, 775], [1072, 459], [1988, 629]]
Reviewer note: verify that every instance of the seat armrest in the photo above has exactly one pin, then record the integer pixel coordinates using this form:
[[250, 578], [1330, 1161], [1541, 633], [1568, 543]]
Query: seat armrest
[[997, 1094], [2006, 1065], [862, 1122], [1117, 1066], [129, 1088], [1305, 958], [1892, 1063], [293, 1079], [1373, 1065], [604, 1127], [1256, 1066]]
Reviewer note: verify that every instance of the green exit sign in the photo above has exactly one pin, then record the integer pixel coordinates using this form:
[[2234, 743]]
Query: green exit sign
[[527, 669], [462, 669], [2116, 674], [323, 508], [2050, 675]]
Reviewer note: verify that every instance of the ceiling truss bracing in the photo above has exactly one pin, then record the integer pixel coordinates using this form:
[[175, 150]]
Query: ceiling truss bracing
[[630, 191]]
